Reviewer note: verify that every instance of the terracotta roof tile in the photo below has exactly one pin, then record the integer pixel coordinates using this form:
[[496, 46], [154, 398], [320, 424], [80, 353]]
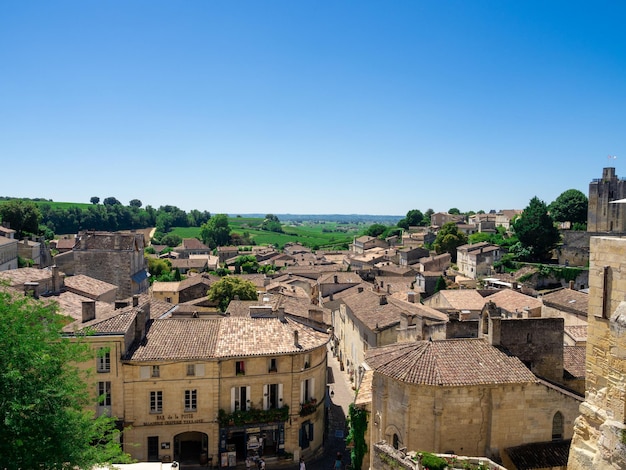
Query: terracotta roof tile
[[574, 358], [568, 299], [455, 362]]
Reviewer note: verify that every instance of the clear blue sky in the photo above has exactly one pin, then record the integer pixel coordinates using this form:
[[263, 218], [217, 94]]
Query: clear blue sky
[[371, 107]]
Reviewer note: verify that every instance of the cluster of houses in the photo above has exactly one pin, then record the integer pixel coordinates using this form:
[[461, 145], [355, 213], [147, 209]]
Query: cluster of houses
[[491, 367]]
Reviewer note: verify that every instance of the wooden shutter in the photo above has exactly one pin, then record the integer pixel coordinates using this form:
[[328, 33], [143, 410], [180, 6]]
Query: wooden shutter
[[144, 372], [232, 398], [266, 397], [200, 370]]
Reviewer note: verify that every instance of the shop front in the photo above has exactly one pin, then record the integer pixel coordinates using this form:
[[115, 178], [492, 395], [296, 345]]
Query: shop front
[[254, 441]]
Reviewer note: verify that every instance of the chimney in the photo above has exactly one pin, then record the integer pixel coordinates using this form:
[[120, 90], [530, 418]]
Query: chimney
[[296, 343], [514, 285], [359, 289], [56, 280], [335, 279], [383, 300], [281, 314], [388, 288], [88, 310], [571, 285], [31, 289], [135, 300], [410, 296], [316, 315]]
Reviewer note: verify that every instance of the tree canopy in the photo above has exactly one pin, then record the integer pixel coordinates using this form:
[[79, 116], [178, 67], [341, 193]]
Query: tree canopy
[[570, 206], [536, 232], [376, 230], [448, 239], [22, 216], [44, 395], [216, 231], [225, 290], [413, 218], [94, 200]]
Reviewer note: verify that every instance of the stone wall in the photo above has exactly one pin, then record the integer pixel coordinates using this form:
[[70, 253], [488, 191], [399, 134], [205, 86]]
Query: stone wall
[[599, 431]]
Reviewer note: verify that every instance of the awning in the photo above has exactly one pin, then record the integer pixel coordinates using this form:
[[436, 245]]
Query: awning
[[140, 276]]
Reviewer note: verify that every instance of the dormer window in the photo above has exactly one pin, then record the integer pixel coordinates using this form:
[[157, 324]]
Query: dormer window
[[240, 368]]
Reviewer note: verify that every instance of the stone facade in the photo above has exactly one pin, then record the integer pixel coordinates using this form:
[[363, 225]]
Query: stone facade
[[479, 419], [197, 389], [602, 216], [8, 253], [116, 258], [599, 431]]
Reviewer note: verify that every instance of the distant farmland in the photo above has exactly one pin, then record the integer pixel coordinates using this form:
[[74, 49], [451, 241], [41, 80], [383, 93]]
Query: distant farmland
[[323, 235]]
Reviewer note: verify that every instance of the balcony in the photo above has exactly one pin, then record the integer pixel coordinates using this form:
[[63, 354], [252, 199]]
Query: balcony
[[308, 407], [253, 415]]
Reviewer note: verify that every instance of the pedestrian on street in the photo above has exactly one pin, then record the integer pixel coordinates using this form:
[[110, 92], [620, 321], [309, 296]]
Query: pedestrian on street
[[339, 461], [302, 466], [262, 463]]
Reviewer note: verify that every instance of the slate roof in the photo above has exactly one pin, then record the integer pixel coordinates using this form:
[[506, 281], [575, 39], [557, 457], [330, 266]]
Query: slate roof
[[542, 455], [452, 362], [574, 358]]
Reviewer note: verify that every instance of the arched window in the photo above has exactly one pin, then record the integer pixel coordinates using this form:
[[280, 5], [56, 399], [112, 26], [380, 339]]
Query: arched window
[[557, 426], [396, 442]]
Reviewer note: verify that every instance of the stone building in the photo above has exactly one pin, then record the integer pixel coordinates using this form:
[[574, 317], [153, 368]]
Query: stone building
[[598, 440], [465, 397], [8, 253], [116, 258], [200, 390], [602, 216], [476, 260]]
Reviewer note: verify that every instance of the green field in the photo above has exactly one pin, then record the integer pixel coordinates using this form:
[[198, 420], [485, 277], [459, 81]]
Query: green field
[[52, 204], [322, 235]]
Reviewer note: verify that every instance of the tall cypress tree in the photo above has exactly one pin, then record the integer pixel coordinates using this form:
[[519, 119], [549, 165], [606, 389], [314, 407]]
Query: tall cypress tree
[[536, 231]]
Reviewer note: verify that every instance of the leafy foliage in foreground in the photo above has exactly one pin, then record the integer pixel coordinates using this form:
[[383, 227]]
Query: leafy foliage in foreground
[[43, 394]]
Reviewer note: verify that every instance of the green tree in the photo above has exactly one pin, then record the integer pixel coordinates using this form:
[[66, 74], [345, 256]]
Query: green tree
[[441, 284], [375, 230], [44, 396], [111, 201], [448, 239], [171, 239], [454, 211], [413, 218], [247, 263], [536, 232], [22, 216], [427, 215], [94, 200], [135, 203], [570, 206], [158, 267], [225, 290], [272, 224], [216, 231]]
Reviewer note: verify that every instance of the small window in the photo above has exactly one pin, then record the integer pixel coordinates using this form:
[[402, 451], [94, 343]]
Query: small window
[[307, 361], [240, 368], [156, 402], [191, 369], [191, 403], [168, 300], [156, 371], [103, 360], [273, 367], [557, 426], [104, 393]]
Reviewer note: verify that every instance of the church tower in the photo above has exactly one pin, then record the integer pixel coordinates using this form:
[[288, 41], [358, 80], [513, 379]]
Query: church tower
[[601, 215]]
